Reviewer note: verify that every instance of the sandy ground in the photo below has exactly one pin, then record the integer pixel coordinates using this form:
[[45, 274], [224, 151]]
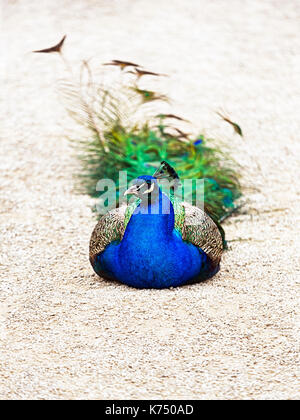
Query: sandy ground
[[66, 333]]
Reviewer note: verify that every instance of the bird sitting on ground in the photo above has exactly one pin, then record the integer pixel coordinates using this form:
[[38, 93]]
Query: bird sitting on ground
[[156, 242]]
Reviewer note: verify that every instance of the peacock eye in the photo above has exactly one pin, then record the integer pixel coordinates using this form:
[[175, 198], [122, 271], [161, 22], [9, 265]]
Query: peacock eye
[[138, 187]]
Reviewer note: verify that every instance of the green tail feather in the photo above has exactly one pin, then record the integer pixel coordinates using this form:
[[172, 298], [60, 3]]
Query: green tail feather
[[115, 145]]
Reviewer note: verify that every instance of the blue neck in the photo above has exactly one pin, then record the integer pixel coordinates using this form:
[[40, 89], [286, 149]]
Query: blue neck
[[154, 219]]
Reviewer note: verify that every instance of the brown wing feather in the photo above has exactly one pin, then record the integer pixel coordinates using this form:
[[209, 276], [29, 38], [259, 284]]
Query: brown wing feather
[[109, 228], [200, 230]]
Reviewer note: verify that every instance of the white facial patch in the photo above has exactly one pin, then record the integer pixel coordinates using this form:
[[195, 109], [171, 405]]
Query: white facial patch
[[150, 189]]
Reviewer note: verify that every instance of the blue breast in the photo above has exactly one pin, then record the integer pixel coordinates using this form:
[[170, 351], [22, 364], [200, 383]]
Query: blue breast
[[152, 253]]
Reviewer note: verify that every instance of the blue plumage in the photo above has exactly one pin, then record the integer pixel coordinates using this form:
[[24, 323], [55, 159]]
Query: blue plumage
[[152, 253]]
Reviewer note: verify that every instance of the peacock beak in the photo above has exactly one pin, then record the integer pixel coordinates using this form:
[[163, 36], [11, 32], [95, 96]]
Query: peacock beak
[[132, 190]]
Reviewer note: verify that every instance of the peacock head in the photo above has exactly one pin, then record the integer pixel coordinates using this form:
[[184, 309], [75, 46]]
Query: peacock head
[[143, 187]]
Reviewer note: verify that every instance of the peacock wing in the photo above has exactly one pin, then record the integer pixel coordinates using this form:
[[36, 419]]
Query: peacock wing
[[200, 230], [110, 227]]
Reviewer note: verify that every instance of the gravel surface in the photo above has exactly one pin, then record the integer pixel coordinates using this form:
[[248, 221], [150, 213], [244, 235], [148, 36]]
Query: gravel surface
[[66, 333]]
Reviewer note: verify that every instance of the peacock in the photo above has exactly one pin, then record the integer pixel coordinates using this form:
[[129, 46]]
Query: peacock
[[157, 241], [127, 127]]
